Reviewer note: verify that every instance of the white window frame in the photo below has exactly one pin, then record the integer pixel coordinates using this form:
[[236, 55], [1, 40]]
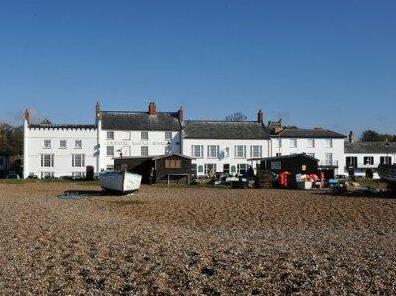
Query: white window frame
[[311, 143], [368, 160], [50, 160], [258, 153], [76, 145], [236, 151], [328, 143], [293, 143], [213, 151], [144, 136], [107, 151], [168, 135], [142, 149], [47, 144], [62, 146], [110, 135], [193, 154], [206, 168], [328, 158], [78, 160]]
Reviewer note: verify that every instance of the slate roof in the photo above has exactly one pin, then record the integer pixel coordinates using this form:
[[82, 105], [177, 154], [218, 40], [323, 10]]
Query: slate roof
[[206, 129], [288, 156], [370, 147], [140, 121], [308, 133]]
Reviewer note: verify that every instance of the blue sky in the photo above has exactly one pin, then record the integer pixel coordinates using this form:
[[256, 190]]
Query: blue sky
[[313, 63]]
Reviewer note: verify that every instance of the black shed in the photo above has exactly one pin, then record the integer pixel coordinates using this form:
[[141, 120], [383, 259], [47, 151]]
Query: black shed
[[169, 168], [294, 164]]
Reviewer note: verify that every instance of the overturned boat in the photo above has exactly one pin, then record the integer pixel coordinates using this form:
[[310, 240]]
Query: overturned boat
[[120, 182], [387, 173]]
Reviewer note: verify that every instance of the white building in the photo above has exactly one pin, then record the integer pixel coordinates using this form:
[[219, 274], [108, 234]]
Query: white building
[[325, 145], [363, 158], [224, 146], [216, 146], [58, 150]]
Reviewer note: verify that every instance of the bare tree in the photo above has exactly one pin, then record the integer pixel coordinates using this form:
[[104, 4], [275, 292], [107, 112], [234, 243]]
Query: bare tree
[[236, 116]]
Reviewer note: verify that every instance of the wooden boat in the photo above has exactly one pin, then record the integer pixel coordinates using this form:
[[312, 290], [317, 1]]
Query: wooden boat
[[120, 182], [387, 173]]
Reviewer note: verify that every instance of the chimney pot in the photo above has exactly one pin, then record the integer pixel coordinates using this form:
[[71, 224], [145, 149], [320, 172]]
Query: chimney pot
[[27, 115], [152, 109]]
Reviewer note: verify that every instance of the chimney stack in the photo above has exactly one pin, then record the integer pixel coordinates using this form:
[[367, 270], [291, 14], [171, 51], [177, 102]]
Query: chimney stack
[[152, 109], [351, 137], [180, 114], [27, 115], [260, 117]]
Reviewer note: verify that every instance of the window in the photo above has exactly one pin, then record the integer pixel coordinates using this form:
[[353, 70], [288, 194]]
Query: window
[[328, 159], [227, 152], [78, 160], [277, 142], [194, 169], [110, 150], [311, 143], [368, 160], [293, 143], [168, 136], [311, 154], [213, 151], [240, 151], [385, 160], [197, 151], [242, 168], [45, 175], [78, 174], [47, 160], [62, 144], [328, 143], [144, 151], [351, 162], [226, 168], [172, 163], [278, 154], [144, 136], [233, 169], [200, 169], [210, 168], [78, 144], [47, 144], [256, 151], [110, 167], [110, 135]]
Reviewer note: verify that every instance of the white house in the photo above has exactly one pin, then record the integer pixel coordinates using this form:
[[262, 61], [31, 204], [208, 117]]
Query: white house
[[224, 146], [363, 158], [325, 145], [58, 149], [126, 134]]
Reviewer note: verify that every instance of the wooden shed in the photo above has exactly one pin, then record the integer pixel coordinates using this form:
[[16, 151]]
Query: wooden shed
[[294, 164], [169, 168]]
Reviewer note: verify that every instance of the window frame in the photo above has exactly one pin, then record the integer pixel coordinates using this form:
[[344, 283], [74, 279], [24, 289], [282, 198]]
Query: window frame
[[166, 134], [201, 149], [144, 138], [60, 144], [51, 160], [236, 151], [78, 146], [107, 150], [81, 161], [293, 140], [368, 160], [260, 151], [209, 150], [47, 141], [311, 143], [142, 148], [107, 135]]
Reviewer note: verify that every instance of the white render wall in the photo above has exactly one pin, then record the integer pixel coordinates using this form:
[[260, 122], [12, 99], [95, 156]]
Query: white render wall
[[319, 150], [223, 145], [34, 147], [130, 143], [361, 167]]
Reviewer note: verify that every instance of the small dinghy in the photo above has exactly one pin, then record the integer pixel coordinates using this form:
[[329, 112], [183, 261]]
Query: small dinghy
[[120, 182]]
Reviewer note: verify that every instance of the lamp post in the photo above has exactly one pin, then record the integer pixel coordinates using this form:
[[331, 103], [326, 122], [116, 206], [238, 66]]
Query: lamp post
[[387, 150]]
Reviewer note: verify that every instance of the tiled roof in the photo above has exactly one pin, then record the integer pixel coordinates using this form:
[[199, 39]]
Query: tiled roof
[[140, 121], [206, 129], [370, 147]]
